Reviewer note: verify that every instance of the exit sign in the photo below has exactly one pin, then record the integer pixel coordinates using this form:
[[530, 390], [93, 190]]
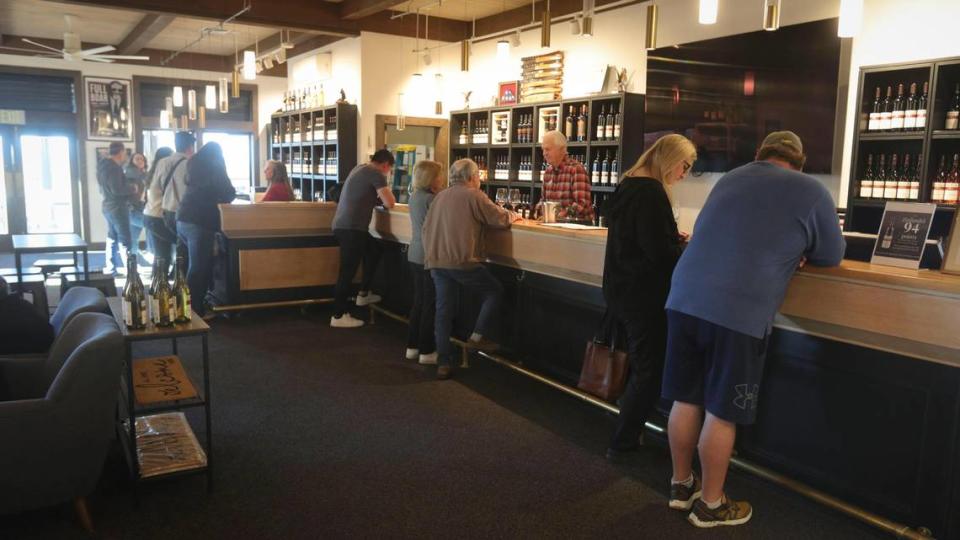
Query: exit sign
[[9, 116]]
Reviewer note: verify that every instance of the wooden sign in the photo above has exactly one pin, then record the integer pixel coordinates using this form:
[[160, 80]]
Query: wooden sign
[[542, 77], [161, 379]]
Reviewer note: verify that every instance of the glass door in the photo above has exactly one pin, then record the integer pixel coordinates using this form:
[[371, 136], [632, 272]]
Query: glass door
[[47, 183]]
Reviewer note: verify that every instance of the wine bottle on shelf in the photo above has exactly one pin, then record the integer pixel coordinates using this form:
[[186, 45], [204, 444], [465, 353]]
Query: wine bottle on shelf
[[874, 123], [866, 183], [608, 125], [463, 139], [601, 128], [879, 178], [166, 312], [134, 298], [897, 114], [181, 291], [616, 124], [953, 114], [910, 112], [568, 126], [605, 170], [582, 124], [922, 108], [939, 181], [152, 291], [915, 181], [903, 180], [951, 188], [595, 171], [886, 115], [890, 180]]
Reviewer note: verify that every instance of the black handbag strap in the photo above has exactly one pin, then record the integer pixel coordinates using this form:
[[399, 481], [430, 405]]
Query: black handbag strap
[[166, 181], [608, 331]]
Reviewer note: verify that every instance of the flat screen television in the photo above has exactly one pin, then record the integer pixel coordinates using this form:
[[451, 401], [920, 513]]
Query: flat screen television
[[726, 94]]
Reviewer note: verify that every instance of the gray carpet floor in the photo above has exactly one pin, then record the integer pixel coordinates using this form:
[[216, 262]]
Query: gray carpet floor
[[323, 433]]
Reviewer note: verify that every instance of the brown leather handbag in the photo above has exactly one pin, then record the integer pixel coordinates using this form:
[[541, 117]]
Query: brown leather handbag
[[604, 371]]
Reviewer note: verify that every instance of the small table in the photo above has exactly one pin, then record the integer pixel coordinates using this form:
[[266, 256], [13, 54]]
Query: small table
[[49, 243], [195, 328]]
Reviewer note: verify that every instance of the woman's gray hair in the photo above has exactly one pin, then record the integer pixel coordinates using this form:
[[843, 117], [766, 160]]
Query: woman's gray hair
[[462, 171]]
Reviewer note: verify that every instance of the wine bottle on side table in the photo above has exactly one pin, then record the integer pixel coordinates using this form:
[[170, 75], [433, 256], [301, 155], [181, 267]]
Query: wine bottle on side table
[[134, 297], [181, 291]]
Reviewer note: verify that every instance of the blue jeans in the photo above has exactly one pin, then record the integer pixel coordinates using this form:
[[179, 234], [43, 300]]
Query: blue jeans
[[161, 237], [478, 280], [136, 227], [118, 232], [199, 242]]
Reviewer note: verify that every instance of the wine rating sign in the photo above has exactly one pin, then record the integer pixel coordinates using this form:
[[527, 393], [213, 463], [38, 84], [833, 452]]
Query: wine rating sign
[[903, 234]]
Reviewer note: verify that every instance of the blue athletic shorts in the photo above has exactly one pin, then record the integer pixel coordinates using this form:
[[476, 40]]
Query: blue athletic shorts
[[714, 367]]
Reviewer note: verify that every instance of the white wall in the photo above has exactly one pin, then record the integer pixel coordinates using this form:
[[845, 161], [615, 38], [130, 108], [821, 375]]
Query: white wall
[[269, 93], [895, 31]]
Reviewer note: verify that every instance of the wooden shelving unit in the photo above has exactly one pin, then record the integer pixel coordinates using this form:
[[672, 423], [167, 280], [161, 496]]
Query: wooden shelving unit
[[626, 148], [864, 215], [318, 146]]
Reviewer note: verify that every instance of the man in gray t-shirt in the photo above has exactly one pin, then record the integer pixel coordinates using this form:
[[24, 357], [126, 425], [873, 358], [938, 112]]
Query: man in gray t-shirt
[[363, 187]]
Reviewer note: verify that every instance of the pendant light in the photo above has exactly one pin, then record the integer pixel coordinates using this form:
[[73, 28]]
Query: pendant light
[[168, 107], [249, 65], [210, 97], [438, 90], [503, 50], [465, 55], [202, 121], [192, 104], [650, 39], [708, 11], [586, 25], [164, 119], [515, 39], [401, 118], [235, 93], [184, 122], [851, 16], [545, 26], [224, 101], [178, 96], [575, 26], [771, 15]]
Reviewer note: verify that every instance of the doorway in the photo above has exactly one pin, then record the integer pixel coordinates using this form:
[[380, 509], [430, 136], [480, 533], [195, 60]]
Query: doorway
[[422, 138]]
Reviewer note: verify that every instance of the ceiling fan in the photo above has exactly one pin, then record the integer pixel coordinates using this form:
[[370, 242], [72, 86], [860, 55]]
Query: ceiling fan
[[72, 48]]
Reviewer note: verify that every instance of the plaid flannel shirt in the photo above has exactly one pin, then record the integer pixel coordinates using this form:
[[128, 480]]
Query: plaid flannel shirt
[[568, 184]]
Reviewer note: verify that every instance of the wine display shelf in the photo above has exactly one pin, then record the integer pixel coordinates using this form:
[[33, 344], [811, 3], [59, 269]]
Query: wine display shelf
[[289, 141], [864, 215], [627, 147]]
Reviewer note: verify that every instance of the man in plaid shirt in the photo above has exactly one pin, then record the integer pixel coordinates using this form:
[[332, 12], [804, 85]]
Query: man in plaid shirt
[[565, 179]]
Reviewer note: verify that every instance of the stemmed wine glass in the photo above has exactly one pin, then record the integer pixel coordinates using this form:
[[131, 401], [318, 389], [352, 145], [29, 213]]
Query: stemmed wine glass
[[501, 197], [514, 199]]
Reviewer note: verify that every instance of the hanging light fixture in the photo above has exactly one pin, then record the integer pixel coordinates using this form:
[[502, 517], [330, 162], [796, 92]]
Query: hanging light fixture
[[503, 50], [168, 107], [771, 15], [184, 122], [575, 26], [210, 97], [515, 39], [708, 11], [202, 122], [249, 65], [401, 118], [545, 26], [650, 39], [178, 96], [235, 93], [587, 29], [438, 89], [851, 17], [224, 95], [192, 104], [465, 55], [164, 119]]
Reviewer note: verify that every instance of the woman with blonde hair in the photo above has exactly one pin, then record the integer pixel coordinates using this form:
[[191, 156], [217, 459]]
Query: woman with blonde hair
[[428, 180], [643, 246], [280, 187]]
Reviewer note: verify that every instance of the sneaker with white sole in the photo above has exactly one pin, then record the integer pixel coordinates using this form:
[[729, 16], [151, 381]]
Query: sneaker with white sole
[[345, 321], [412, 354], [682, 497], [367, 299], [428, 359], [728, 513]]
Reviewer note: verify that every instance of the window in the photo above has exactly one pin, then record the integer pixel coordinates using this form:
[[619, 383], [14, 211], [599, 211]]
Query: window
[[237, 152]]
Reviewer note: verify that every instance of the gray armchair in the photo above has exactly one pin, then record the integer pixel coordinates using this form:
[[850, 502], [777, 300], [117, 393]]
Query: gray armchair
[[57, 416], [75, 301]]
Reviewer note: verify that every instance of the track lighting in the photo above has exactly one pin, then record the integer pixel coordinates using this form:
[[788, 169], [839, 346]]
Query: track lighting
[[515, 39], [771, 15], [575, 26], [249, 65], [650, 39]]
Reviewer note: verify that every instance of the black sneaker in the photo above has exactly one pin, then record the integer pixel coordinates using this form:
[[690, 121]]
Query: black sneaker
[[444, 372], [682, 497], [728, 513]]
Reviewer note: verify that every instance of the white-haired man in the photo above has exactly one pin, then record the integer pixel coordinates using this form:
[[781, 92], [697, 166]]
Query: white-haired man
[[565, 180], [453, 252]]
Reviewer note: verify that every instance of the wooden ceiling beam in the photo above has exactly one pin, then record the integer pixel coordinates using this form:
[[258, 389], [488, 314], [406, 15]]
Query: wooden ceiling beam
[[441, 29], [143, 33], [358, 9], [520, 16]]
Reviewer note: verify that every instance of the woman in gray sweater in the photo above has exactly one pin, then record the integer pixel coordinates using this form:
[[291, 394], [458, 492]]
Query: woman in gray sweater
[[428, 180]]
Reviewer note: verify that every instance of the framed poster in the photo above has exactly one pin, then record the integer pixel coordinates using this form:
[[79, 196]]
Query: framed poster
[[509, 92], [903, 234], [109, 109], [951, 256]]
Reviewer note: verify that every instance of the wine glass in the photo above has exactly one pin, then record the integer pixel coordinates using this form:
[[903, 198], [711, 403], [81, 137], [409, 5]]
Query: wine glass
[[515, 198], [501, 197]]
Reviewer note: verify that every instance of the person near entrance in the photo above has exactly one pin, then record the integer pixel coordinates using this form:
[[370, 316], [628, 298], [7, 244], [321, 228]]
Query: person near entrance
[[117, 195], [565, 180], [167, 185], [760, 223], [136, 172], [365, 184]]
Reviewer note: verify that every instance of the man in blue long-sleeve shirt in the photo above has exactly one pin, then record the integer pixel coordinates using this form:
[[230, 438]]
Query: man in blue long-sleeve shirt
[[760, 223]]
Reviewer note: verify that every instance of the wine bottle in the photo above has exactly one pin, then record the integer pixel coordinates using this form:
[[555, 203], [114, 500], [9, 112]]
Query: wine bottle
[[568, 126], [608, 125], [134, 297], [181, 292], [951, 188], [614, 170], [922, 108], [903, 180], [915, 181], [601, 129], [616, 124], [887, 237], [874, 122], [595, 176], [605, 170], [165, 314], [910, 112], [897, 114], [879, 178], [886, 115], [890, 180], [582, 124], [953, 114], [463, 133], [939, 181], [866, 183]]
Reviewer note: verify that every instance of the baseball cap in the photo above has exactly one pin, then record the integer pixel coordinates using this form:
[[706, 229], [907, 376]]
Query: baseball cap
[[784, 139]]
